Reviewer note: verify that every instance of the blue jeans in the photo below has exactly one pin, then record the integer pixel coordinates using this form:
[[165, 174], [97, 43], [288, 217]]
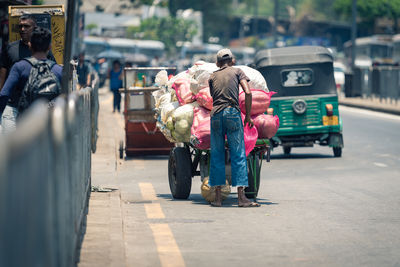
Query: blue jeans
[[228, 122], [9, 119]]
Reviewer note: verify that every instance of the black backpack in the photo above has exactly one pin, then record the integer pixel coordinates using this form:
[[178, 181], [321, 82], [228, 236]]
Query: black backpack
[[42, 83]]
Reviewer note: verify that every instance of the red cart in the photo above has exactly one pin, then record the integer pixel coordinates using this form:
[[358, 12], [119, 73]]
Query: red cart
[[142, 136]]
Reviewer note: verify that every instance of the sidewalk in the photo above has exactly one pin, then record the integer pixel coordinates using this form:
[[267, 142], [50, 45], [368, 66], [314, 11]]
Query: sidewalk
[[103, 243], [374, 104]]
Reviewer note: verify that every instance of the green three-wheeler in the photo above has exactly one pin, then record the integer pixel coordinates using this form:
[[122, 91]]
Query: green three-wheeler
[[306, 99]]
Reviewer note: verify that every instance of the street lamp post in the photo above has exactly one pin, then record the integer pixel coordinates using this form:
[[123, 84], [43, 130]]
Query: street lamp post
[[353, 32]]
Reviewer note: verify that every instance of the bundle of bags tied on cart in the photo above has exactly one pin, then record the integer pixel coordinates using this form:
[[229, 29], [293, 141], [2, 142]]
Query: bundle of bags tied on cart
[[183, 106]]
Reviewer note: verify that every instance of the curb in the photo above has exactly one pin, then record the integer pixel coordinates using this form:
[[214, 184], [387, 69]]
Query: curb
[[389, 110]]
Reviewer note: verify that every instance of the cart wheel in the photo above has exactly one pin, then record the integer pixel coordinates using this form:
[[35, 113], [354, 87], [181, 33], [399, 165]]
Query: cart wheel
[[180, 172], [121, 149], [254, 176], [286, 150], [337, 152]]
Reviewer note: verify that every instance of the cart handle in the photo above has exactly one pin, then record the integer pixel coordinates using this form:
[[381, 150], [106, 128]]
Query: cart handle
[[147, 130]]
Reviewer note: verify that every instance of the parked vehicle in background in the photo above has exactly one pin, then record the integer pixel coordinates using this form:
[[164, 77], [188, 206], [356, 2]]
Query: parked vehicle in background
[[149, 48], [94, 45], [306, 100], [189, 52], [244, 55], [396, 49], [339, 73], [375, 50]]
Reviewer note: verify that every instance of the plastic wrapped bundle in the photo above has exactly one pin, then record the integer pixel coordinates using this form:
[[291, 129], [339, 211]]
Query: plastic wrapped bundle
[[162, 78], [250, 137], [201, 137], [260, 101], [182, 120], [183, 92], [204, 98], [257, 80], [161, 97], [267, 125], [167, 110], [208, 192]]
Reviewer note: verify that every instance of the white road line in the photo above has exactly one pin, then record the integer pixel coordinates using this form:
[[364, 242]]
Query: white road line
[[369, 113], [382, 165]]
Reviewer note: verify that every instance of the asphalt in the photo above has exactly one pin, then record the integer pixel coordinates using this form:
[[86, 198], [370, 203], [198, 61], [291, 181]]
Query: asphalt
[[316, 210]]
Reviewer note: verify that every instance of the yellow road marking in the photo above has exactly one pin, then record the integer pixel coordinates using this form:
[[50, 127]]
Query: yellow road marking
[[154, 211], [168, 250], [147, 191]]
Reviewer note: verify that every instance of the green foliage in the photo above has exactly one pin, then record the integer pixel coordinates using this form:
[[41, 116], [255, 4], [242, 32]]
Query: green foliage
[[168, 30], [91, 26], [369, 9], [37, 2], [214, 14]]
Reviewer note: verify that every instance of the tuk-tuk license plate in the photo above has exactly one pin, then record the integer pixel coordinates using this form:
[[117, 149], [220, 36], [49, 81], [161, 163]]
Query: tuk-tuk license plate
[[330, 120]]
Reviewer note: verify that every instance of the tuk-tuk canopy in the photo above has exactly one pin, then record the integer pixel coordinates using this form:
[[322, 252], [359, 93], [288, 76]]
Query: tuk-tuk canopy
[[292, 56]]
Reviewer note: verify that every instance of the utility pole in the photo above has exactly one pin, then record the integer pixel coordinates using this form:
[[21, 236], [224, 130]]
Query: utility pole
[[72, 11], [255, 22], [353, 32], [275, 27]]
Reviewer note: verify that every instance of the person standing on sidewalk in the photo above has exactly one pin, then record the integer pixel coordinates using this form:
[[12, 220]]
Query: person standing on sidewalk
[[20, 72], [13, 53], [115, 76], [226, 120], [83, 72]]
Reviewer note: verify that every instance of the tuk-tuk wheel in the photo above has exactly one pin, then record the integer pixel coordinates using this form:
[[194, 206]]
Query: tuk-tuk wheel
[[180, 172], [254, 183], [286, 150], [337, 152], [121, 149]]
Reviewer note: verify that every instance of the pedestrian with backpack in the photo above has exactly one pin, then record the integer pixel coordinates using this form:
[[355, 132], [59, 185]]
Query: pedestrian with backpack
[[32, 78]]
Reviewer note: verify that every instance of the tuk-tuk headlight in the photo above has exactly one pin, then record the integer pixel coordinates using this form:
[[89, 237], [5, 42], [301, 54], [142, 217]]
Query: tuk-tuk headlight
[[329, 109], [299, 106]]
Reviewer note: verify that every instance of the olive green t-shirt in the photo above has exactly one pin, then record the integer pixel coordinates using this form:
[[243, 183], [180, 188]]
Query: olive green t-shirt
[[224, 88]]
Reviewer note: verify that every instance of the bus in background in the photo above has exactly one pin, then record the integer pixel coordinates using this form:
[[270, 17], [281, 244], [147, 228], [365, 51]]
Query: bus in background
[[244, 55], [140, 49], [189, 53], [94, 45], [375, 50], [396, 49]]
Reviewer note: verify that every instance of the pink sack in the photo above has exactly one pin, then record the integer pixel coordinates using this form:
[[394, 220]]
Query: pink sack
[[250, 137], [204, 98], [267, 125], [183, 92], [201, 135], [260, 101]]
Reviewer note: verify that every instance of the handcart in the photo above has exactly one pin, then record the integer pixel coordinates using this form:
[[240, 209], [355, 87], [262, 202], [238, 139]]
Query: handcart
[[186, 161], [142, 136]]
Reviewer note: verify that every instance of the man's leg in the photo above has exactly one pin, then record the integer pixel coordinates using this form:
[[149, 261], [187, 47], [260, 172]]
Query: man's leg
[[9, 119], [217, 162], [234, 131]]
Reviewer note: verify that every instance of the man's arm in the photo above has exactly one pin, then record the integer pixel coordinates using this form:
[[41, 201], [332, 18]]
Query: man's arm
[[247, 101], [8, 87]]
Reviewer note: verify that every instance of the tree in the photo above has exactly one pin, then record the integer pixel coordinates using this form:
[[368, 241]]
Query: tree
[[168, 30], [369, 10], [214, 14]]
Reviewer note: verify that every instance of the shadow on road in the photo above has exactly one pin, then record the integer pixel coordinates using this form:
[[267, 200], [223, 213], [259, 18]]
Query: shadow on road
[[231, 201], [301, 156], [147, 157]]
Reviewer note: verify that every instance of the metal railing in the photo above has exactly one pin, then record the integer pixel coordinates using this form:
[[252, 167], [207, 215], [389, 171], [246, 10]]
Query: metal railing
[[381, 82], [45, 174]]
